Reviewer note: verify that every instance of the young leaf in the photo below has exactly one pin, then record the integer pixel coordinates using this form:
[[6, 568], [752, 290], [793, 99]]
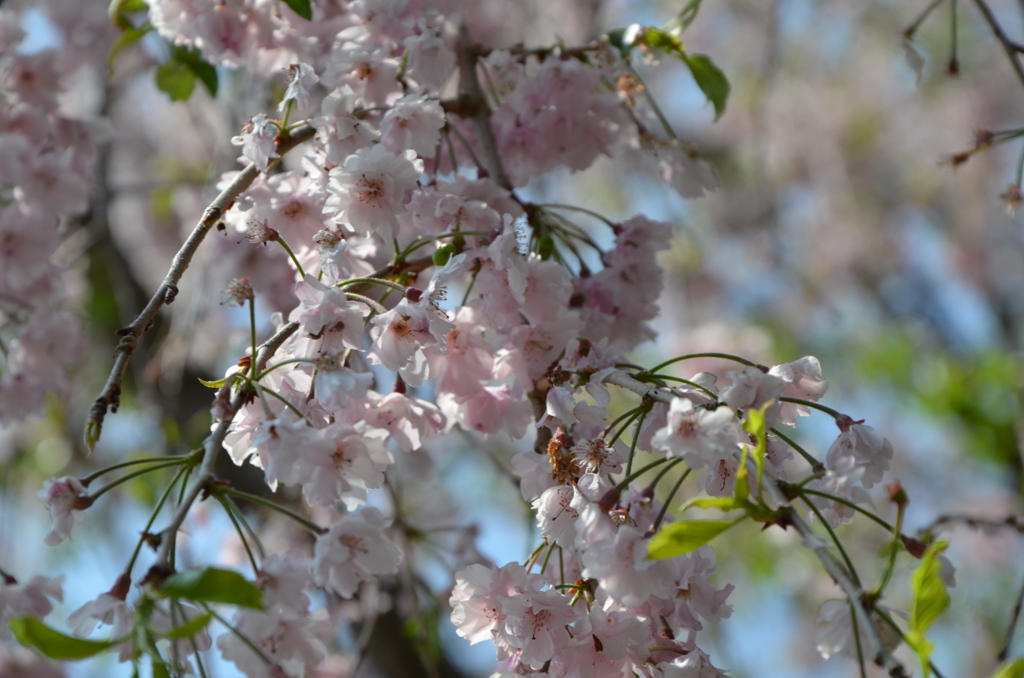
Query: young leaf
[[302, 8], [755, 425], [193, 59], [189, 628], [710, 79], [175, 79], [686, 16], [128, 37], [54, 644], [720, 503], [1014, 669], [212, 585], [930, 600], [680, 538], [213, 384]]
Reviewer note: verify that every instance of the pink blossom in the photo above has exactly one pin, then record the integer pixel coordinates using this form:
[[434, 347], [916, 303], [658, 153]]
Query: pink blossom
[[66, 498], [698, 435], [369, 192], [289, 639], [803, 380], [28, 600], [341, 463], [555, 515], [413, 122], [477, 600], [352, 551], [326, 313], [869, 450], [257, 140], [339, 130], [301, 78], [408, 421], [535, 624]]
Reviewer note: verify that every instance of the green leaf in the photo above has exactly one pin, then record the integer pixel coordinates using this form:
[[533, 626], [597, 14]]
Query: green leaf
[[176, 80], [720, 503], [126, 6], [930, 600], [1014, 669], [213, 384], [301, 7], [686, 16], [212, 585], [664, 41], [160, 669], [54, 644], [755, 425], [127, 38], [189, 628], [193, 59], [710, 79], [680, 538]]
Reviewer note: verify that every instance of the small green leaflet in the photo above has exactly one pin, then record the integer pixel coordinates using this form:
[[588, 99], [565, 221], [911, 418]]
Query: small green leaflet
[[301, 7], [681, 538], [710, 79], [930, 600], [189, 628], [54, 644], [212, 585], [128, 37], [755, 425], [213, 384], [1014, 669], [177, 77]]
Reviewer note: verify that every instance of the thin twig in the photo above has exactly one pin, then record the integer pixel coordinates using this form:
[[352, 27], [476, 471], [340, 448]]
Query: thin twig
[[880, 655], [211, 448], [471, 99], [1009, 46], [110, 396], [1004, 653]]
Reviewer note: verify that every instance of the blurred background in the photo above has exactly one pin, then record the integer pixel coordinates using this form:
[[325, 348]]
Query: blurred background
[[839, 230]]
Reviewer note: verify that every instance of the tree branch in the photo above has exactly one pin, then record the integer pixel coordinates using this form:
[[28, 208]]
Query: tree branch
[[1009, 46], [474, 105], [833, 567], [110, 396], [212, 446]]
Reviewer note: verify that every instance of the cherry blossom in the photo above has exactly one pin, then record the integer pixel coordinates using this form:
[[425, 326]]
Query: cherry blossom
[[369, 191], [66, 498], [257, 140], [352, 551]]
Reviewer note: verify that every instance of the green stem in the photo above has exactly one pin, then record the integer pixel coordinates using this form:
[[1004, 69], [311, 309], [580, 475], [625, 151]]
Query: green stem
[[241, 535], [654, 104], [856, 639], [153, 460], [287, 404], [293, 361], [287, 114], [377, 308], [252, 332], [630, 478], [627, 413], [120, 481], [726, 356], [662, 472], [668, 500], [910, 30], [636, 439], [295, 259], [897, 532], [623, 428], [152, 518], [241, 636], [835, 539], [311, 526], [850, 504], [801, 451], [248, 528], [683, 381], [574, 208], [547, 557], [373, 281], [821, 408]]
